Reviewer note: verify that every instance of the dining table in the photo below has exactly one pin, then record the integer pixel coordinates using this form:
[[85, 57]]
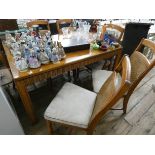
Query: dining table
[[73, 60]]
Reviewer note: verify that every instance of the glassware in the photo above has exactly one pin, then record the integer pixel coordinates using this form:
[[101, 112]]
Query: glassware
[[86, 30], [65, 32]]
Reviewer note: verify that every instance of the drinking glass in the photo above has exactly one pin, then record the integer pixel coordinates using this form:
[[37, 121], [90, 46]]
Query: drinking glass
[[65, 32]]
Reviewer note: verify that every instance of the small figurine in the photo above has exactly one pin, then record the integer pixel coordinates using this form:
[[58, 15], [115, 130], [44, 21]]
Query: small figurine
[[23, 36], [48, 34], [7, 36], [48, 43], [15, 52], [21, 64], [17, 56], [17, 36], [30, 44], [22, 46], [43, 57], [56, 49], [26, 53], [61, 51], [12, 40], [49, 53], [15, 46], [54, 57], [33, 62]]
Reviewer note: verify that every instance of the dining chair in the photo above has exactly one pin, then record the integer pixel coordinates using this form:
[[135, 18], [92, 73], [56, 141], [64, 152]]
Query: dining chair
[[63, 23], [119, 31], [77, 107], [118, 35], [41, 23], [140, 66]]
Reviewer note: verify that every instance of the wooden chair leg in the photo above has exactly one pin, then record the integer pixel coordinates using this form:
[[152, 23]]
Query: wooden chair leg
[[49, 126], [104, 65], [90, 132], [125, 103]]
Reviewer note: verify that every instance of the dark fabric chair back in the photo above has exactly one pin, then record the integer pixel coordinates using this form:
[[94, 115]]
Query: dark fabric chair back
[[134, 32]]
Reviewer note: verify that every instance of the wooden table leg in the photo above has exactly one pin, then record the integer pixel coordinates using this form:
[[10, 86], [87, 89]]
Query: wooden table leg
[[26, 100]]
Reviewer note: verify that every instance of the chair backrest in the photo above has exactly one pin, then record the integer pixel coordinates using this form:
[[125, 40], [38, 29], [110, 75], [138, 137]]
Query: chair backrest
[[115, 27], [133, 34], [112, 90], [8, 24], [63, 23], [41, 23], [140, 65]]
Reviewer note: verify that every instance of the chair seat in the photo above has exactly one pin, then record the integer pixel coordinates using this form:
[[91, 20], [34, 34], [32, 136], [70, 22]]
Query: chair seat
[[73, 105], [99, 78]]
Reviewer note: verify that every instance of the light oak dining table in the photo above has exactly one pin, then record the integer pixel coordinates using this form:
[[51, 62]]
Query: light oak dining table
[[73, 60]]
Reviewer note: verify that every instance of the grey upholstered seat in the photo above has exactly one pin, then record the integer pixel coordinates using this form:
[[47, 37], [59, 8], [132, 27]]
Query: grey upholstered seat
[[73, 105], [99, 78]]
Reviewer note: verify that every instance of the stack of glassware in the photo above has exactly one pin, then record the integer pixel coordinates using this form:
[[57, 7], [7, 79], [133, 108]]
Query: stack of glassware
[[30, 49], [83, 30]]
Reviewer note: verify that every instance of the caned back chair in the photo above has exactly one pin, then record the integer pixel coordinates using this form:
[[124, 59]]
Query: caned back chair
[[77, 107], [115, 27], [119, 31], [140, 66], [43, 23], [38, 22], [63, 23]]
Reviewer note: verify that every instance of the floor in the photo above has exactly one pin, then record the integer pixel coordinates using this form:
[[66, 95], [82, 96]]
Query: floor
[[139, 120]]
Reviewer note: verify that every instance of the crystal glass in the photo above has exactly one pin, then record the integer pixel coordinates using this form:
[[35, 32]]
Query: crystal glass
[[65, 32]]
